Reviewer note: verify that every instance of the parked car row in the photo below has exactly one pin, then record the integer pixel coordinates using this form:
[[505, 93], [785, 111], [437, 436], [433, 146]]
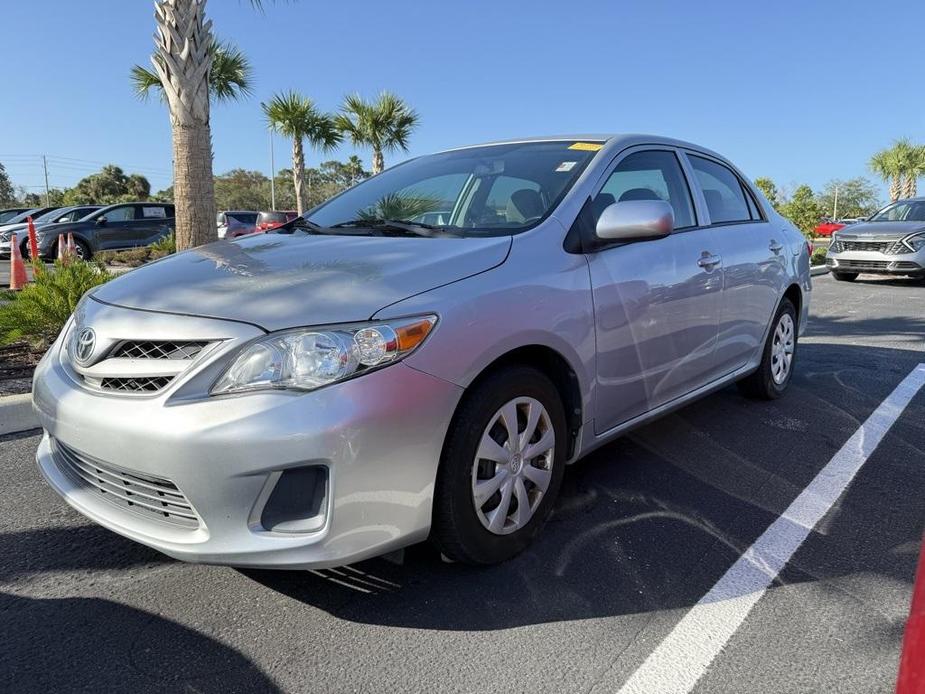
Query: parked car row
[[830, 227], [95, 228], [231, 224]]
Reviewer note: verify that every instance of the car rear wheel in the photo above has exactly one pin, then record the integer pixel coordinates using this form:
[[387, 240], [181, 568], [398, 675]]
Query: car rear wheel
[[845, 276], [773, 375], [501, 467]]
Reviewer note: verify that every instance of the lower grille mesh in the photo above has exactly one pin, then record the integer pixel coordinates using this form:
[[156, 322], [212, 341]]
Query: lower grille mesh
[[153, 496], [136, 385]]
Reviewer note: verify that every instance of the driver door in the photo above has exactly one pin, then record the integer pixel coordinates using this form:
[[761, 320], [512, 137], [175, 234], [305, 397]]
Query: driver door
[[657, 302]]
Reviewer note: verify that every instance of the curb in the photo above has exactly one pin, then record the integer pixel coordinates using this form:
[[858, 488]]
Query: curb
[[817, 270], [16, 414]]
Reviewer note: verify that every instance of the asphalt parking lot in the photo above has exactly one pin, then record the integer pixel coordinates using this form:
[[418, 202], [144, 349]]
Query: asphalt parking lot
[[644, 529]]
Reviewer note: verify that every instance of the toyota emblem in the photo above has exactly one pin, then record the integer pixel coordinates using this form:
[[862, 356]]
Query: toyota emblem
[[83, 346]]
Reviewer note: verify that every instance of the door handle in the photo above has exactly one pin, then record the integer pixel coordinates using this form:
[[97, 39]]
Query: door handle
[[708, 261], [775, 246]]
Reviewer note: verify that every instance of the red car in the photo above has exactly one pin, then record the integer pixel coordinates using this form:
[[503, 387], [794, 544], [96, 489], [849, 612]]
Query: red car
[[828, 228], [267, 221]]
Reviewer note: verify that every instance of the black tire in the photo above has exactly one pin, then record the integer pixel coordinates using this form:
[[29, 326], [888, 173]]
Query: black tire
[[845, 276], [83, 250], [24, 250], [457, 530], [761, 384]]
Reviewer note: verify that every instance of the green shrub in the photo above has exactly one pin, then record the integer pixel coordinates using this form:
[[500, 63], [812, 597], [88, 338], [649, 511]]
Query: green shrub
[[132, 257], [168, 244], [38, 312], [818, 256]]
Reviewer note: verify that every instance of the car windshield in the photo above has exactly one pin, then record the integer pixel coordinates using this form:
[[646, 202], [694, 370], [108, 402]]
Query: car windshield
[[21, 217], [50, 216], [910, 211], [478, 191], [8, 215]]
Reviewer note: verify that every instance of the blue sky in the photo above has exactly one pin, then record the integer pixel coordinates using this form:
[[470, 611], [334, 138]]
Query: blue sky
[[798, 91]]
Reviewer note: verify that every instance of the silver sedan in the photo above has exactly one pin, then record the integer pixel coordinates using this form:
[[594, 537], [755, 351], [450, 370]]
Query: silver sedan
[[421, 356]]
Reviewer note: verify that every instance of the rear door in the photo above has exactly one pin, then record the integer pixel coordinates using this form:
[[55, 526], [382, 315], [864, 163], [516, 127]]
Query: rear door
[[656, 303], [155, 221], [754, 259]]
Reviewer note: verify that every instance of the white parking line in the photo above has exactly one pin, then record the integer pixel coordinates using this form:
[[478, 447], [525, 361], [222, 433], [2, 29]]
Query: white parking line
[[679, 662]]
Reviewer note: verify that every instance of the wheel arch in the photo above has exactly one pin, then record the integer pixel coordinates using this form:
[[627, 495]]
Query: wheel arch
[[558, 369]]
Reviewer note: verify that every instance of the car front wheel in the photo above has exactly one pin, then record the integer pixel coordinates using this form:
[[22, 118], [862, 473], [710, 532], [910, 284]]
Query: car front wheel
[[501, 467]]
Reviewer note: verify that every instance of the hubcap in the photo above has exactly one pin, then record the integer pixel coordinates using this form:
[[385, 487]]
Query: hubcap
[[513, 465], [782, 349]]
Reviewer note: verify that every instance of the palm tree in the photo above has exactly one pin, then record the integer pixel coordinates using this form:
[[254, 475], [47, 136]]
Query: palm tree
[[296, 116], [384, 125], [182, 61], [888, 164], [913, 160], [230, 78]]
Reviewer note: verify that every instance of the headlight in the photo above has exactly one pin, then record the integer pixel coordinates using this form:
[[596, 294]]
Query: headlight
[[916, 243], [835, 246], [308, 358]]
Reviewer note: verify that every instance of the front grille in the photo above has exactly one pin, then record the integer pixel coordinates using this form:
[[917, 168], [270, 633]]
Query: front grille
[[151, 496], [157, 350], [876, 246], [142, 384]]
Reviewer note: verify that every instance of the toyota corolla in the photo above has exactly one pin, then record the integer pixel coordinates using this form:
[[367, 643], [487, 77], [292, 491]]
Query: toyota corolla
[[422, 355]]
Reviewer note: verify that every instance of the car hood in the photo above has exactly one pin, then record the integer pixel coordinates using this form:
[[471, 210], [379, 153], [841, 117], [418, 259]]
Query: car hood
[[880, 230], [280, 281]]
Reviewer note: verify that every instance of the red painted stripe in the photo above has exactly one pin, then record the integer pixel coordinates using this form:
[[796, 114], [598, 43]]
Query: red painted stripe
[[912, 661]]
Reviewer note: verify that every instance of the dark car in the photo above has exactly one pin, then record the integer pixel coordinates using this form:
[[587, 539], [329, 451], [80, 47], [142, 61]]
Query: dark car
[[19, 233], [20, 218], [271, 220], [124, 225], [10, 212]]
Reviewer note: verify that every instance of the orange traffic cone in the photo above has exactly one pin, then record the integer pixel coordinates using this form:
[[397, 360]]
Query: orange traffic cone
[[33, 241], [62, 249], [18, 277], [71, 246]]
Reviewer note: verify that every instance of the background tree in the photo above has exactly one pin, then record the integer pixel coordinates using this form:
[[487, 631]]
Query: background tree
[[913, 166], [890, 165], [384, 125], [7, 191], [240, 189], [296, 117], [182, 61], [857, 197], [109, 185], [769, 188], [230, 77], [803, 210]]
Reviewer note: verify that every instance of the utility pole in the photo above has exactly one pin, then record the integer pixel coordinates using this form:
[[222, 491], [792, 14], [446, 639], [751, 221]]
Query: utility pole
[[272, 175], [45, 167], [835, 205]]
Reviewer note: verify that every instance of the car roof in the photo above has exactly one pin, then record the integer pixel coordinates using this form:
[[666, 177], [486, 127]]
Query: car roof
[[626, 139]]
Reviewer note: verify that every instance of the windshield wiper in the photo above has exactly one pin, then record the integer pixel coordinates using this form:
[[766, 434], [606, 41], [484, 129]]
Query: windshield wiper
[[399, 225]]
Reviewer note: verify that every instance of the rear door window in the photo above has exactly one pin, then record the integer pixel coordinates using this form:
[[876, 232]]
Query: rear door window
[[722, 191], [120, 214]]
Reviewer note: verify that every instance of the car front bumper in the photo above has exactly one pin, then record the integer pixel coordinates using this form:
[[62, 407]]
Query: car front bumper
[[377, 438], [877, 263]]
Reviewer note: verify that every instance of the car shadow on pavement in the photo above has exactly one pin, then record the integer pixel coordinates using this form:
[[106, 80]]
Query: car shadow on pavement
[[82, 548], [650, 522], [57, 645]]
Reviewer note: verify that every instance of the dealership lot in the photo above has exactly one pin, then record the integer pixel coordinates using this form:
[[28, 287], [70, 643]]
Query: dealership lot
[[644, 529]]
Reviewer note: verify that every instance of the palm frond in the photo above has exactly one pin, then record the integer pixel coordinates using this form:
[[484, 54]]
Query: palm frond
[[143, 81], [231, 77]]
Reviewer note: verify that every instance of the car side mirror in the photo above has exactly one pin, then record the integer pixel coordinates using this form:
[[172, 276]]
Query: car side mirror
[[635, 220], [100, 221]]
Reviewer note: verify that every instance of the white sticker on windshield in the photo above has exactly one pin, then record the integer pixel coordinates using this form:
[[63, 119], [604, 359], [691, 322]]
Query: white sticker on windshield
[[153, 212], [566, 166]]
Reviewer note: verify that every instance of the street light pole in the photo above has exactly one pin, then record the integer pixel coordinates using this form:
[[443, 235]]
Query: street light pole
[[272, 175], [835, 205]]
